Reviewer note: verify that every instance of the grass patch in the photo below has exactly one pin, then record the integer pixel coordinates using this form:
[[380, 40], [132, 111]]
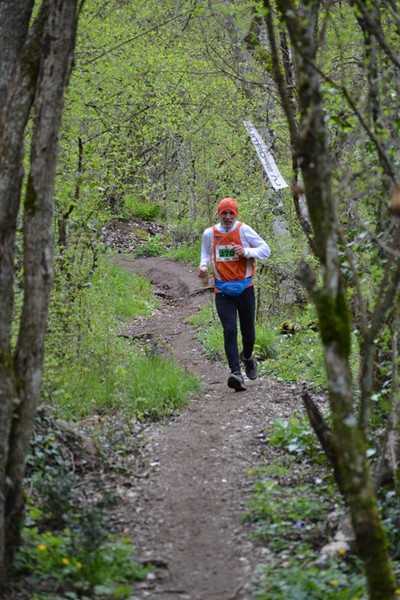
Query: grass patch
[[289, 357], [187, 251], [142, 209], [123, 379], [290, 350], [295, 358], [91, 369], [124, 294], [209, 331]]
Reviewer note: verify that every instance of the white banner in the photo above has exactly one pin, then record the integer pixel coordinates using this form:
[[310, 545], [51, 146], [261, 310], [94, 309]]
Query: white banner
[[266, 158]]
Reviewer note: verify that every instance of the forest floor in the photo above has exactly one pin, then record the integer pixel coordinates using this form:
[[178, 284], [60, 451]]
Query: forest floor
[[184, 505]]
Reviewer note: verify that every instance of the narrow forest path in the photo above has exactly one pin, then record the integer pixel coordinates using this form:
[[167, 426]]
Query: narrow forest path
[[184, 510]]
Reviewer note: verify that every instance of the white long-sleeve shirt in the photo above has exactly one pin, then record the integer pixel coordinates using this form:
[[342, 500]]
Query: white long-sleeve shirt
[[254, 246]]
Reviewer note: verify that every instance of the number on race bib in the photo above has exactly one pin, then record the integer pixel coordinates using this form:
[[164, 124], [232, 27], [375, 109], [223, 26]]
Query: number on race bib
[[226, 253]]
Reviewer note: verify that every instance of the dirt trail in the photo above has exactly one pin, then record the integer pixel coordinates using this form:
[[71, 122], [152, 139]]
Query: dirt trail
[[185, 511]]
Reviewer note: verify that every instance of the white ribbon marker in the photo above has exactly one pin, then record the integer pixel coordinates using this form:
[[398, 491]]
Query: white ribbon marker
[[266, 158]]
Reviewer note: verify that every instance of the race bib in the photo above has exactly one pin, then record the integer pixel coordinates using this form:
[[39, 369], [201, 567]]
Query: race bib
[[225, 253]]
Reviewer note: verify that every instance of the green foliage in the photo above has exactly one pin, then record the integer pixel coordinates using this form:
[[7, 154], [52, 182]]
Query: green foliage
[[289, 358], [299, 579], [154, 247], [186, 242], [60, 564], [291, 518], [187, 252], [285, 514], [67, 548], [50, 476], [90, 368], [209, 331], [297, 437], [143, 210], [297, 358], [186, 232], [150, 132]]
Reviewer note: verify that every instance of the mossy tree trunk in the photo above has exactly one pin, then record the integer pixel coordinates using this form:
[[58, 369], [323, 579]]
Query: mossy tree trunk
[[329, 298], [34, 62]]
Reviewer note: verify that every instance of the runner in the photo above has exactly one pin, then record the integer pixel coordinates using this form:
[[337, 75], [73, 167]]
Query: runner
[[231, 247]]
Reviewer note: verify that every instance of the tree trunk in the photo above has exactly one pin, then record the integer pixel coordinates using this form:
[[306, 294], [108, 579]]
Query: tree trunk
[[38, 75], [18, 74], [387, 465], [329, 299]]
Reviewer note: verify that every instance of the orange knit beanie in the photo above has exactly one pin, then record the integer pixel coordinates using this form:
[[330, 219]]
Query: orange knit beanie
[[228, 204]]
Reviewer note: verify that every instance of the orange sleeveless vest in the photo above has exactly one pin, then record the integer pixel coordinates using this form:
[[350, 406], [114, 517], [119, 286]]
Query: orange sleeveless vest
[[226, 265]]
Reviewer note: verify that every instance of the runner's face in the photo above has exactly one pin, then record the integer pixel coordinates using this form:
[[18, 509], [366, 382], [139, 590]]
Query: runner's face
[[227, 219]]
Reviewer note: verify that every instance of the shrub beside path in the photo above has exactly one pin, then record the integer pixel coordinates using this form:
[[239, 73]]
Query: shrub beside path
[[184, 507]]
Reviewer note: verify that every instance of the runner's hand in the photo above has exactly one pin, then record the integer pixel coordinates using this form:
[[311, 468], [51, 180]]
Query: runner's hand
[[239, 250], [202, 271]]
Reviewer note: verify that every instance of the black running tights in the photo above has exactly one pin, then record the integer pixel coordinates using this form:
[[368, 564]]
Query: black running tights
[[228, 309]]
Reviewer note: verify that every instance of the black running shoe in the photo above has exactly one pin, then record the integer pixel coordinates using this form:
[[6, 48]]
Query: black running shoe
[[250, 366], [235, 381]]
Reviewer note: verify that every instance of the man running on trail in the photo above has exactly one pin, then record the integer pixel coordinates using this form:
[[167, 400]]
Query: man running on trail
[[231, 247]]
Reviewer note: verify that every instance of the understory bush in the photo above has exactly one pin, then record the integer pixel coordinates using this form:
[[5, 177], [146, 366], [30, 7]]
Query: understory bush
[[68, 548], [59, 566], [153, 247], [298, 579], [294, 508]]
